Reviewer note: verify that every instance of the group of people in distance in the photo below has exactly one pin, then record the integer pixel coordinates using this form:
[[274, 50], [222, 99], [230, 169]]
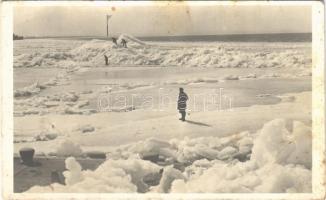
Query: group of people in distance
[[123, 42], [115, 41], [183, 97]]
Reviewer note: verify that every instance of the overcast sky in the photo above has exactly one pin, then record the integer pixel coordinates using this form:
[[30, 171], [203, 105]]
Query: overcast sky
[[160, 21]]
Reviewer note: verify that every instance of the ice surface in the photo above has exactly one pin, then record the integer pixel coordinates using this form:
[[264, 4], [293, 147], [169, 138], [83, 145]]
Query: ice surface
[[33, 89], [68, 148], [274, 159], [276, 164], [45, 136], [91, 54]]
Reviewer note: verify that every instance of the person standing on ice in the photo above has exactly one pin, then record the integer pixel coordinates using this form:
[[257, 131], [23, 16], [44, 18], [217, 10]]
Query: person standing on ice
[[182, 104], [106, 59], [124, 43], [114, 40]]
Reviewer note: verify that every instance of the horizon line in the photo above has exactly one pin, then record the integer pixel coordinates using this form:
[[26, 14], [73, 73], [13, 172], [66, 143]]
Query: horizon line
[[158, 36]]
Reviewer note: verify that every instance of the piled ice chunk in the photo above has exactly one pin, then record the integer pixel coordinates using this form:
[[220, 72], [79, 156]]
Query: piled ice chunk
[[280, 162]]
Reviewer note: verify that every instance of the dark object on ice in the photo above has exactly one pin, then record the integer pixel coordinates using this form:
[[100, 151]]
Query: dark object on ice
[[57, 177], [17, 37], [124, 43], [96, 155], [87, 129], [26, 155], [106, 60], [114, 40], [182, 104], [26, 177]]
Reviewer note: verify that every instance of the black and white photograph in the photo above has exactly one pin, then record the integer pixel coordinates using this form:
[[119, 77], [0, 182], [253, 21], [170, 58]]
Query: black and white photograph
[[169, 97]]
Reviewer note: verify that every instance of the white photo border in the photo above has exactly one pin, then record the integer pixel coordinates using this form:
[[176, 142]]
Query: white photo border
[[318, 105]]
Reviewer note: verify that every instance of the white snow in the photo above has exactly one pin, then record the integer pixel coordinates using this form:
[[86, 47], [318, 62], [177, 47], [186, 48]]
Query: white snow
[[246, 177], [35, 88], [68, 148], [111, 176], [86, 128], [140, 53], [275, 144], [74, 171], [275, 165], [168, 177], [46, 136], [227, 152], [261, 148]]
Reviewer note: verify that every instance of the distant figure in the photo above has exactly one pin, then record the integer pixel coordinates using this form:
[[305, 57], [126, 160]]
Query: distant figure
[[106, 60], [182, 104], [124, 43], [114, 40]]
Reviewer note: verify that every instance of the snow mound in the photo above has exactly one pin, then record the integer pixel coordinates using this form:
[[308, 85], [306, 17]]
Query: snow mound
[[185, 151], [33, 89], [275, 144], [86, 128], [151, 147], [74, 173], [45, 136], [68, 148], [227, 152], [61, 103], [91, 54], [245, 178], [280, 162], [169, 175], [130, 38], [38, 59], [111, 176]]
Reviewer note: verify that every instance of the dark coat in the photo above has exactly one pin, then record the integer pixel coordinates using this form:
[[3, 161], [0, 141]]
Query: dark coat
[[182, 101]]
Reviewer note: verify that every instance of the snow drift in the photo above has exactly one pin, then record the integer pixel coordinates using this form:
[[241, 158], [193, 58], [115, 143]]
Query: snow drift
[[276, 164], [275, 144], [111, 176], [91, 54], [140, 54]]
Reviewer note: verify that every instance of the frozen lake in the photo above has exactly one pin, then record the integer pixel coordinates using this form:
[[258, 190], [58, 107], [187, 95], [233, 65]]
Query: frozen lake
[[245, 92], [249, 109]]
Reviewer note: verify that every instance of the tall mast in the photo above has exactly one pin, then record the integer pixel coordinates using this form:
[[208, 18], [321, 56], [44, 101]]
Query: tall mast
[[107, 24]]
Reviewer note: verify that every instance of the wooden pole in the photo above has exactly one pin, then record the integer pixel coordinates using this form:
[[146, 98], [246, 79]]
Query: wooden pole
[[107, 26]]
